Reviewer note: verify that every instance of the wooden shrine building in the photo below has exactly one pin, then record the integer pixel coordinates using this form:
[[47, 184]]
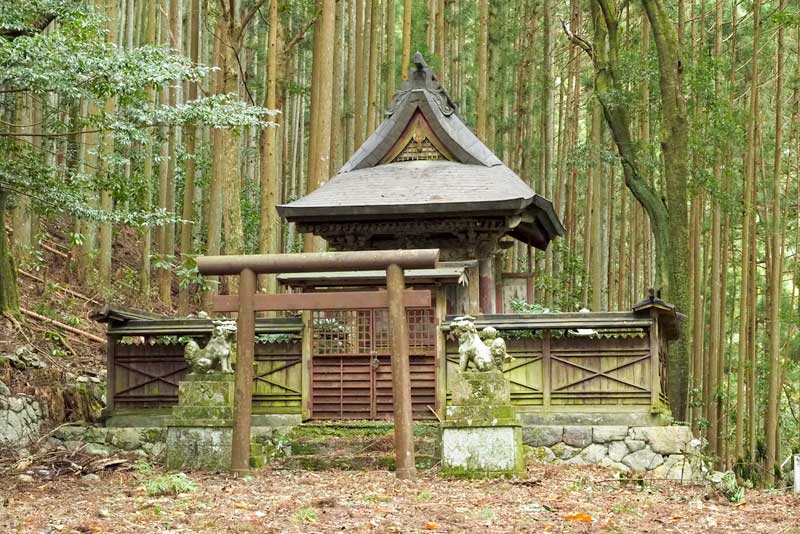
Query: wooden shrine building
[[424, 180], [421, 180]]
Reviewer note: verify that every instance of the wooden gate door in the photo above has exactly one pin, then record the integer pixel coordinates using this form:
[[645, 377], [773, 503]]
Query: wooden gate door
[[351, 372]]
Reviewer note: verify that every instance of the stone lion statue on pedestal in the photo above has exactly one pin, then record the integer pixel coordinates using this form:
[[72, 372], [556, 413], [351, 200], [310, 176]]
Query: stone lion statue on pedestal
[[485, 350]]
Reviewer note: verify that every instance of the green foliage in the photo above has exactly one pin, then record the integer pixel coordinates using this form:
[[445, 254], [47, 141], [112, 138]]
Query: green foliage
[[306, 515], [73, 62], [169, 485], [521, 306], [268, 339]]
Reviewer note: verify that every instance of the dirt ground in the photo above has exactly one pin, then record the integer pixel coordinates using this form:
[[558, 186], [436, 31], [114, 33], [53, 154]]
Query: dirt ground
[[552, 499]]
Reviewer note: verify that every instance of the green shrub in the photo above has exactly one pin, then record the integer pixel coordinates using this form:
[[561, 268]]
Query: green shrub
[[169, 485]]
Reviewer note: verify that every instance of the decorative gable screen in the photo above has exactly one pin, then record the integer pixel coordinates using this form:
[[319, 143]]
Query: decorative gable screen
[[419, 148]]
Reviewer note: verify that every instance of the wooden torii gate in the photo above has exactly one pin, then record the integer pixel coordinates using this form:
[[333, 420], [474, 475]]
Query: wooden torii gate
[[249, 301]]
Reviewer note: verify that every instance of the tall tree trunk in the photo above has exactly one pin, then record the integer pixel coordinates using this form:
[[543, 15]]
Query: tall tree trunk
[[390, 63], [324, 82], [749, 177], [483, 70], [669, 224], [191, 162], [597, 207], [214, 243], [147, 234], [362, 59], [22, 214], [775, 280], [372, 91], [716, 312], [406, 61], [9, 300], [441, 50], [106, 149], [268, 221]]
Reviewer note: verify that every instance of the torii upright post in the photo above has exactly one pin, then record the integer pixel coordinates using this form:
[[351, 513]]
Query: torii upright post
[[401, 375], [248, 302]]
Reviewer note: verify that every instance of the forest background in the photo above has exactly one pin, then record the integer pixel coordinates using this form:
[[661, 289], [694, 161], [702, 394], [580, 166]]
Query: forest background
[[667, 135]]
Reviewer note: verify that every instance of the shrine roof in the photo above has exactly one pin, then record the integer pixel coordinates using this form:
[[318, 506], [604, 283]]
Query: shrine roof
[[424, 160], [413, 187]]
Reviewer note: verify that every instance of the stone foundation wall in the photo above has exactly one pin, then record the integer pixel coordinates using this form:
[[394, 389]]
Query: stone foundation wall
[[147, 443], [658, 451], [20, 420]]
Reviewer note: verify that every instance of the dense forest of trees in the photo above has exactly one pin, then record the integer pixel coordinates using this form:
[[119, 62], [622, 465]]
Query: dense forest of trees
[[667, 135]]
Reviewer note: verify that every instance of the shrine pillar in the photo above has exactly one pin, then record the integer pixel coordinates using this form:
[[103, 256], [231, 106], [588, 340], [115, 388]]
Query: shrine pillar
[[487, 284]]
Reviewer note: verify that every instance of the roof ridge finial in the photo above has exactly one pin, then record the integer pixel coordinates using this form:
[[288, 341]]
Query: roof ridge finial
[[419, 61]]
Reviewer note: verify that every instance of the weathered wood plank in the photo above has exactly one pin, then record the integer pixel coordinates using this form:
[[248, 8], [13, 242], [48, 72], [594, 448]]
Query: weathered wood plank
[[350, 300]]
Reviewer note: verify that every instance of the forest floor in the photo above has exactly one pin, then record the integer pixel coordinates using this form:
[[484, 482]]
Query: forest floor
[[50, 288], [552, 499]]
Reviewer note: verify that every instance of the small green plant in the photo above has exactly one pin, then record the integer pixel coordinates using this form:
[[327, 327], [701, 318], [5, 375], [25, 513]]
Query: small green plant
[[169, 485], [487, 514], [142, 468], [376, 499], [623, 507], [424, 495], [307, 515]]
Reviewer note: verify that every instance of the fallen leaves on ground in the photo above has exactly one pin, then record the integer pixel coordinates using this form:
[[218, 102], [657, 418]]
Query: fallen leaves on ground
[[565, 499]]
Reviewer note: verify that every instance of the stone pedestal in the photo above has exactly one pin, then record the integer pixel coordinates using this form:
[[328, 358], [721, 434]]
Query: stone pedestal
[[480, 434], [200, 429]]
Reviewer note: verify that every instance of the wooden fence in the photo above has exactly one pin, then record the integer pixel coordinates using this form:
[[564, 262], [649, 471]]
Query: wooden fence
[[577, 361], [562, 362], [145, 363]]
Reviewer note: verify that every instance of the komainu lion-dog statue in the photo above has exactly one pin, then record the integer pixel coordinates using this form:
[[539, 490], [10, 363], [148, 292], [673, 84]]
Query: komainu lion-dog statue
[[216, 355], [485, 350]]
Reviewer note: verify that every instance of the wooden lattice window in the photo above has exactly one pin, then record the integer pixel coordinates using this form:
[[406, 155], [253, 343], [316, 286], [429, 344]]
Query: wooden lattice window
[[363, 332], [418, 150], [417, 143]]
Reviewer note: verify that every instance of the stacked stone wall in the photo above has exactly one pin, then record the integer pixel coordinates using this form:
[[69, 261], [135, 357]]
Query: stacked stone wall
[[21, 418], [658, 451]]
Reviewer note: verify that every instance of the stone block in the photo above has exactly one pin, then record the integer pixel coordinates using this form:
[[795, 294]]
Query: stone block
[[675, 467], [210, 390], [594, 453], [665, 439], [564, 452], [577, 436], [542, 435], [643, 460], [617, 450], [198, 447], [481, 415], [544, 455], [478, 388], [635, 444], [96, 449], [483, 451], [125, 438], [604, 434], [610, 463]]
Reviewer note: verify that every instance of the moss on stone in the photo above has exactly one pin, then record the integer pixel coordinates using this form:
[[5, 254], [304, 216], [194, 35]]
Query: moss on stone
[[465, 473]]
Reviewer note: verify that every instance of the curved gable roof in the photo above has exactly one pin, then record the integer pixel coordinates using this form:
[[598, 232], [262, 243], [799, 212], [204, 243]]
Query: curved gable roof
[[373, 184]]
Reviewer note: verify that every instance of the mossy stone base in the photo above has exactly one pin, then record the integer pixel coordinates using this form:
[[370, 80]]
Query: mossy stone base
[[199, 447], [213, 389], [204, 400], [480, 415], [200, 429], [489, 451], [475, 388]]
